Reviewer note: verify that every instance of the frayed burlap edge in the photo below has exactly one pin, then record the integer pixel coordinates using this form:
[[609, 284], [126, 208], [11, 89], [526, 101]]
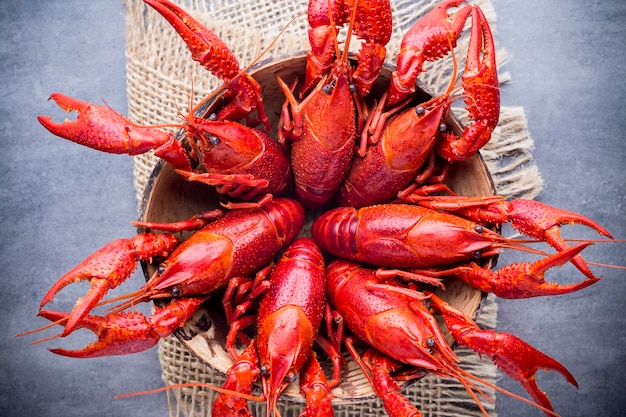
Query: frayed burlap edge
[[159, 75]]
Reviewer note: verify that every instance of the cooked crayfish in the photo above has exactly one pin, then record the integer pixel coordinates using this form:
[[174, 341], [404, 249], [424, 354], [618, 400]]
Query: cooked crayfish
[[238, 160], [323, 127], [237, 244], [417, 238], [289, 316], [395, 321], [397, 139]]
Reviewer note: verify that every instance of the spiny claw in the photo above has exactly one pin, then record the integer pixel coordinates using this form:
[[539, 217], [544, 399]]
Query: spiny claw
[[107, 268], [430, 38], [541, 221], [127, 332], [114, 333], [206, 47], [97, 127], [537, 219], [515, 357], [482, 93], [103, 129], [212, 53], [523, 280]]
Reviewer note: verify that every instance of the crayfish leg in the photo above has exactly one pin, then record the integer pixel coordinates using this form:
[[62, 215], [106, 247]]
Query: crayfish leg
[[196, 221], [241, 377], [381, 367], [316, 389]]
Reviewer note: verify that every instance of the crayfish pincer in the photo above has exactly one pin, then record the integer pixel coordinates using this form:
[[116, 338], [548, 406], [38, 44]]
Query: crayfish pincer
[[237, 244]]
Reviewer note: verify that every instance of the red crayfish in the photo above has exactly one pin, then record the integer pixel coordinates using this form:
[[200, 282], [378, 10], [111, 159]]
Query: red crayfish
[[422, 245], [238, 160], [418, 238], [400, 329], [235, 245], [289, 316]]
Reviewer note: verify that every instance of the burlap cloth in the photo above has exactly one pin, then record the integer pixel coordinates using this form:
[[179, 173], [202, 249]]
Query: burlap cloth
[[159, 78]]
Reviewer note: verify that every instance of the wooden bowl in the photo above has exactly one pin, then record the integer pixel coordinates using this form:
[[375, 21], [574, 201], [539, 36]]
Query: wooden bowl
[[169, 198]]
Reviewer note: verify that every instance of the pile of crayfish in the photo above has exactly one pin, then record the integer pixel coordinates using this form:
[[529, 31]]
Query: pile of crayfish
[[389, 231]]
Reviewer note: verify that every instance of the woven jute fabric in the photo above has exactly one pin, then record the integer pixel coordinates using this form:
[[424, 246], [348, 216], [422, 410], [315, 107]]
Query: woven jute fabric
[[160, 76]]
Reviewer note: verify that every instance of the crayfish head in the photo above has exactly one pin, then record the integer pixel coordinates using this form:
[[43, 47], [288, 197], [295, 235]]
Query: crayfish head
[[224, 145], [284, 343]]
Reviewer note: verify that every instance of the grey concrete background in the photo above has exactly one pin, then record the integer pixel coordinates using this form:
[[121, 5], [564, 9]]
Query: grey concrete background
[[59, 201]]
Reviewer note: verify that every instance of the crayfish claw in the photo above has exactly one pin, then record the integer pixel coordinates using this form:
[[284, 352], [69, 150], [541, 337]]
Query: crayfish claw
[[103, 129], [203, 44], [482, 93], [535, 219], [107, 268], [430, 38], [524, 279], [521, 362], [530, 281], [515, 357], [83, 306], [125, 332], [118, 334], [542, 221], [68, 129]]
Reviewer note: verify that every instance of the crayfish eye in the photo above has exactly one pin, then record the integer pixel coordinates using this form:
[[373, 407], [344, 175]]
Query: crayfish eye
[[176, 292], [352, 88], [212, 117], [419, 110], [291, 377], [213, 140], [477, 255], [443, 127], [327, 89], [479, 229], [161, 269], [265, 370], [430, 342]]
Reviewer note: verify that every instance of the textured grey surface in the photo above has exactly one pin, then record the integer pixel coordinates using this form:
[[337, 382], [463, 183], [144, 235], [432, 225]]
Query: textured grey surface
[[60, 201]]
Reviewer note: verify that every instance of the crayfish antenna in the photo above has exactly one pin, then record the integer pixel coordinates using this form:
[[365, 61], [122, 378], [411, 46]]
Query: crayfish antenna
[[346, 48], [482, 381], [40, 329], [132, 299], [191, 385], [471, 389]]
